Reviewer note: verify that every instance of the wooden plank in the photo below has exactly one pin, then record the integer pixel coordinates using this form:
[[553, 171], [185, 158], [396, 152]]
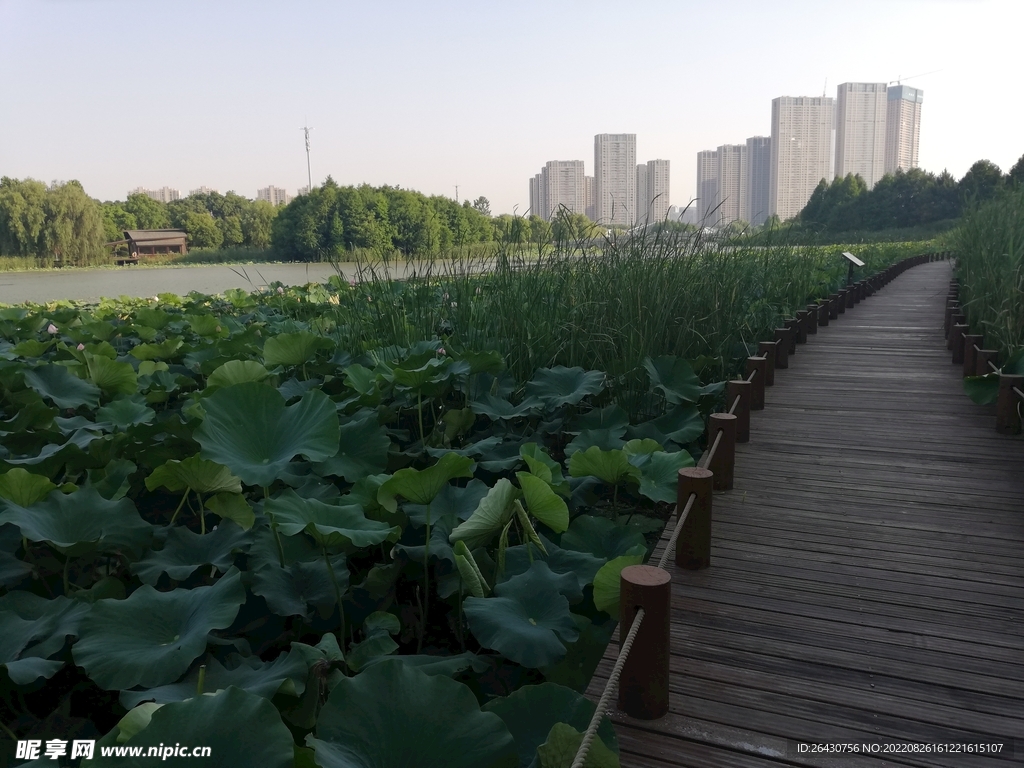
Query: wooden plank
[[867, 576]]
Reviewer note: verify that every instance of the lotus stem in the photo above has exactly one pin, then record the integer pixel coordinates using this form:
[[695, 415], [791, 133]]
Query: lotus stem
[[423, 440], [273, 527], [67, 581], [9, 732], [426, 582], [180, 505], [202, 680], [202, 515], [337, 591]]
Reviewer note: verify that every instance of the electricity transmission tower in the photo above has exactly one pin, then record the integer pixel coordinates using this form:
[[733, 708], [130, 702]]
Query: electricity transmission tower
[[309, 173]]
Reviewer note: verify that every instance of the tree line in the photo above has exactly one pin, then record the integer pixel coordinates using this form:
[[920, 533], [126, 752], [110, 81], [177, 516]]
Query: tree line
[[903, 199]]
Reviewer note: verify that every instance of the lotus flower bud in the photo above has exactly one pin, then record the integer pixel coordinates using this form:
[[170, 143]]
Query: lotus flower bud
[[280, 290], [51, 328], [81, 347]]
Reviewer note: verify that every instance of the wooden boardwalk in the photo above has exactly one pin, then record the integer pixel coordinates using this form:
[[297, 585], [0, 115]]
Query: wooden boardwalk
[[867, 576]]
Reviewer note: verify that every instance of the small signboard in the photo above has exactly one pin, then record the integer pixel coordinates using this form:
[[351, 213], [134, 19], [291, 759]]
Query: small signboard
[[853, 259]]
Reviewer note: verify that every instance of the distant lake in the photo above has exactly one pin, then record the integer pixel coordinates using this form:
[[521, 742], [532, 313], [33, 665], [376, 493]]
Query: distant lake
[[94, 284]]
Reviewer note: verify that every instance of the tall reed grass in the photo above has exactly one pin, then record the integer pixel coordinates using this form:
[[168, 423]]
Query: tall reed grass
[[604, 304], [990, 264]]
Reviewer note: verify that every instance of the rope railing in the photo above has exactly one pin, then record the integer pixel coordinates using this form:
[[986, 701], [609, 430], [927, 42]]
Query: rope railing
[[690, 540]]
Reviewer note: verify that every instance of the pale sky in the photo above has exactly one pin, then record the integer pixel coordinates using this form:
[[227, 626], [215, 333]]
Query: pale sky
[[427, 95]]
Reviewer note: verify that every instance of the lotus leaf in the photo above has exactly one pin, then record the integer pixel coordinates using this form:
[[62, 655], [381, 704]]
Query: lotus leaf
[[290, 590], [659, 478], [23, 488], [608, 466], [583, 565], [448, 666], [459, 503], [531, 712], [293, 348], [184, 551], [674, 378], [544, 467], [609, 439], [362, 450], [525, 618], [610, 417], [420, 486], [205, 325], [392, 715], [577, 669], [601, 537], [287, 671], [125, 412], [543, 503], [232, 506], [682, 425], [564, 386], [152, 637], [76, 444], [606, 583], [113, 377], [213, 721], [983, 390], [329, 524], [114, 480], [498, 408], [163, 351], [80, 518], [236, 372], [562, 744], [491, 515], [474, 581], [34, 629], [136, 719], [200, 475], [249, 429], [63, 388], [377, 630]]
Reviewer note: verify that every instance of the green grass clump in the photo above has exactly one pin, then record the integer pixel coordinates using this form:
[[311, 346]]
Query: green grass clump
[[990, 264]]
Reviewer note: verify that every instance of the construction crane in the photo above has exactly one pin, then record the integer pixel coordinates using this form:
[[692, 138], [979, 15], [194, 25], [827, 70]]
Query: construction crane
[[899, 80]]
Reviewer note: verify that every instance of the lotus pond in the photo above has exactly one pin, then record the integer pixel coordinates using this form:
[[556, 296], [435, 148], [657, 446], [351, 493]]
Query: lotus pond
[[287, 527], [208, 509]]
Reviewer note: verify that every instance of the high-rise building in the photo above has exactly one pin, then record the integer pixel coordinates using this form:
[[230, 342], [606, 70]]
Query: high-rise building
[[732, 182], [588, 182], [860, 131], [202, 191], [163, 195], [615, 178], [274, 195], [559, 183], [658, 201], [801, 151], [642, 203], [902, 127], [707, 187], [759, 164]]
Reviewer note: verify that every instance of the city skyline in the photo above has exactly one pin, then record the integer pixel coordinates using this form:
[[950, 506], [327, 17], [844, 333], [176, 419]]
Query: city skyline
[[421, 121]]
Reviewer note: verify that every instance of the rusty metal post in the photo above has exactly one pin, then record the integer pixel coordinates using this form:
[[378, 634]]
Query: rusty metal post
[[970, 352], [693, 547], [802, 323], [741, 389], [812, 319], [1007, 405], [782, 348], [724, 461], [983, 358], [957, 337], [757, 366], [767, 350], [643, 684]]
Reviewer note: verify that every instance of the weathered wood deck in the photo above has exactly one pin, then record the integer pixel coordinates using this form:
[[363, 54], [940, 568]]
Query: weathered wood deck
[[867, 580]]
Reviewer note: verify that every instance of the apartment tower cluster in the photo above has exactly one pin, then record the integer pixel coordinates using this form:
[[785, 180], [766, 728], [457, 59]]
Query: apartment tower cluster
[[869, 129], [620, 192]]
